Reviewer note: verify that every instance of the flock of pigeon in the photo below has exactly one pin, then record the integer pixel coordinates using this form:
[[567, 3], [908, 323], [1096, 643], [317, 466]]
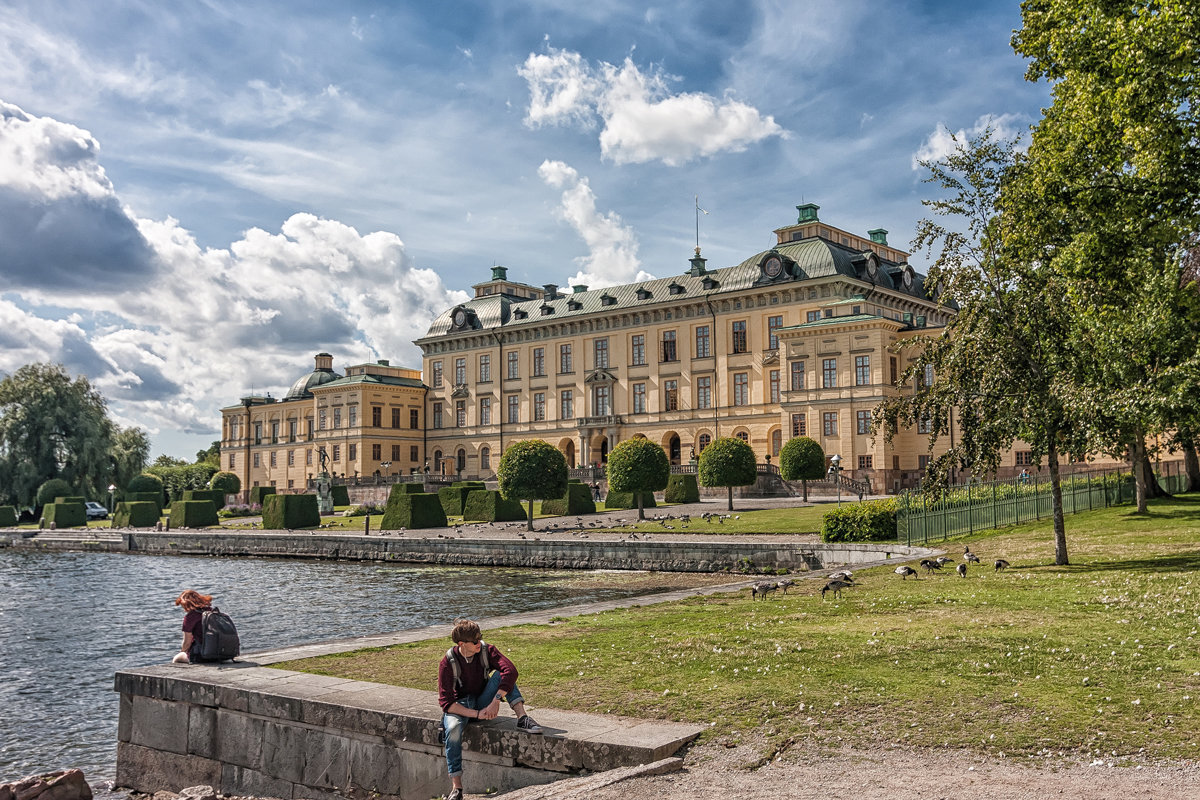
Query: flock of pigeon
[[844, 579]]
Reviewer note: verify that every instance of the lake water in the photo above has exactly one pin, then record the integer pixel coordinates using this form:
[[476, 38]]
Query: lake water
[[68, 621]]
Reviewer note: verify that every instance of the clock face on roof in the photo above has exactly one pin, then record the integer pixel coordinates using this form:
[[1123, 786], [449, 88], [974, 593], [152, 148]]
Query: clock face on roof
[[908, 279], [773, 266], [460, 318]]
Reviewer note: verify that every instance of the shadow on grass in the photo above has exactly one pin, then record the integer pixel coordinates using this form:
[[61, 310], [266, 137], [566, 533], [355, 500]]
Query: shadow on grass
[[1185, 562]]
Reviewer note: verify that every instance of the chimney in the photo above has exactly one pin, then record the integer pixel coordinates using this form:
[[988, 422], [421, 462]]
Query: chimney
[[808, 212], [878, 236], [383, 362], [697, 262], [579, 288], [551, 291], [499, 273], [324, 362], [920, 320], [907, 317]]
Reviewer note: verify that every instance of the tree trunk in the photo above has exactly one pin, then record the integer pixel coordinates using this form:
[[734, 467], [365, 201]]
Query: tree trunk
[[641, 510], [1060, 526], [530, 526], [804, 484], [730, 498], [1153, 490], [1138, 452], [1191, 465]]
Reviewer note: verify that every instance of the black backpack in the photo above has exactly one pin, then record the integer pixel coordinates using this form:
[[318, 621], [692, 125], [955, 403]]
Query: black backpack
[[218, 637]]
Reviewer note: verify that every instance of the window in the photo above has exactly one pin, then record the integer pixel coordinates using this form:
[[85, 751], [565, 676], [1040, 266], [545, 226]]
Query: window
[[829, 372], [257, 460], [485, 369], [773, 324], [460, 413], [337, 452], [704, 392], [600, 401], [514, 408], [485, 458], [485, 411], [337, 418], [395, 452], [600, 352], [308, 456], [460, 370], [539, 406], [813, 316], [308, 424], [352, 412], [414, 454], [829, 423], [321, 424], [376, 452], [895, 373], [637, 352], [291, 458], [799, 425], [704, 441], [352, 452], [437, 415], [566, 404], [923, 462], [232, 460], [797, 376], [773, 383], [702, 342], [395, 418], [639, 398], [437, 374], [741, 389], [564, 358], [739, 337], [274, 432], [744, 436], [514, 365], [670, 395], [928, 376], [864, 422], [862, 370], [376, 417], [776, 442], [866, 462], [414, 419], [272, 458], [668, 346], [539, 361], [925, 425], [292, 426], [1024, 458]]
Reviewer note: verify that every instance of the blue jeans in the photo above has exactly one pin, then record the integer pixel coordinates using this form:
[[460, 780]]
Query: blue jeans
[[454, 724]]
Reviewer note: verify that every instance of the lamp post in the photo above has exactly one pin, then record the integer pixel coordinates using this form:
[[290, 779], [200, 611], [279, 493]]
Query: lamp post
[[387, 465], [835, 471], [112, 487]]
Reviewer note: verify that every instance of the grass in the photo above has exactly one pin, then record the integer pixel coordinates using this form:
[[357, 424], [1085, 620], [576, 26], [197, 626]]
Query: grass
[[1096, 657]]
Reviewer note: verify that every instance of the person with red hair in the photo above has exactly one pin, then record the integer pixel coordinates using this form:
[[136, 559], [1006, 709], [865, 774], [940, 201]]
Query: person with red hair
[[195, 604]]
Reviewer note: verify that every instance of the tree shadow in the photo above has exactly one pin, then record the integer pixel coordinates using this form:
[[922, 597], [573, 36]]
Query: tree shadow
[[1183, 562]]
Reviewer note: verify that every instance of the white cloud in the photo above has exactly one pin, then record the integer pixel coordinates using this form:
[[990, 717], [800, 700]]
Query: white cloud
[[941, 142], [643, 121], [613, 247]]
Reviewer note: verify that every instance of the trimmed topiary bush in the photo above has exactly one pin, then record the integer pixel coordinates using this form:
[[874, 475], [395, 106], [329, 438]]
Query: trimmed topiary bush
[[802, 459], [51, 490], [454, 496], [146, 497], [8, 516], [728, 462], [577, 500], [628, 500], [260, 493], [682, 489], [485, 505], [873, 521], [64, 515], [290, 511], [71, 499], [407, 488], [406, 510], [532, 470], [340, 494], [225, 483], [639, 466], [145, 483], [193, 514], [136, 514], [217, 498]]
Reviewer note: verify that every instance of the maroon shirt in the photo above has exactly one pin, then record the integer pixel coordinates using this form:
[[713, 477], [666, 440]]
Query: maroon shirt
[[473, 679], [191, 624]]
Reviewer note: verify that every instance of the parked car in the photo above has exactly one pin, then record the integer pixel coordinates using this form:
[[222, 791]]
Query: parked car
[[95, 510]]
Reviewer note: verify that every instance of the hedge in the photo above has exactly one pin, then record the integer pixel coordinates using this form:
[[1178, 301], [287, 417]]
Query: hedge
[[577, 500], [454, 496], [260, 493], [682, 489], [146, 497], [64, 515], [144, 483], [407, 488], [217, 497], [406, 510], [484, 505], [73, 499], [873, 521], [290, 511], [135, 514], [193, 514], [48, 491], [8, 516], [628, 500], [340, 494]]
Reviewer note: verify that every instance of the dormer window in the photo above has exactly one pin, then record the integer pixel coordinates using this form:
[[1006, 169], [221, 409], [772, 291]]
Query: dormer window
[[644, 294], [547, 310], [607, 300], [709, 284], [519, 314], [675, 288], [574, 305]]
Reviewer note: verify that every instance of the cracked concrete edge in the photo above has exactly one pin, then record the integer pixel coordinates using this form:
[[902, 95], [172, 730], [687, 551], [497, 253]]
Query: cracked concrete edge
[[582, 787]]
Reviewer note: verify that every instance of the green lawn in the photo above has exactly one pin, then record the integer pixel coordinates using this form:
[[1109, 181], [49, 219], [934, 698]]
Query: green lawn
[[1099, 656]]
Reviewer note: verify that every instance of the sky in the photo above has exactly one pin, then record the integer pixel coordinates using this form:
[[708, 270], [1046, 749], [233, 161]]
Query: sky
[[195, 198]]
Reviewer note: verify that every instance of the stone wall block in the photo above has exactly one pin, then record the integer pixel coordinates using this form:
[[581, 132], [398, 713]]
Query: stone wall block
[[159, 724], [149, 771], [284, 751], [239, 739], [241, 781], [202, 732], [375, 768], [327, 763], [230, 698], [265, 704], [125, 718]]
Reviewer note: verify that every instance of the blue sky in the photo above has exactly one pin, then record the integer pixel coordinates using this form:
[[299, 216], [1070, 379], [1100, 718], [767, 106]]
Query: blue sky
[[196, 197]]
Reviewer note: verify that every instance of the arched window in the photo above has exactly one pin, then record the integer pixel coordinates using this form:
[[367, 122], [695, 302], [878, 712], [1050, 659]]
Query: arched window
[[744, 436], [485, 458], [704, 441], [437, 461], [461, 460], [776, 442]]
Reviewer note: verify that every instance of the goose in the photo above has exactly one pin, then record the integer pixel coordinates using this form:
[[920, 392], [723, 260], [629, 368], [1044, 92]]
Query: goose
[[944, 560], [842, 575], [763, 589], [905, 571], [930, 566], [970, 557], [785, 583], [1001, 565], [835, 587], [962, 570]]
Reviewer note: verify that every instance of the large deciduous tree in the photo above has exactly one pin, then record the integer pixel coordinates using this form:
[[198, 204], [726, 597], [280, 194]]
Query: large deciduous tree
[[728, 462], [638, 465], [532, 470]]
